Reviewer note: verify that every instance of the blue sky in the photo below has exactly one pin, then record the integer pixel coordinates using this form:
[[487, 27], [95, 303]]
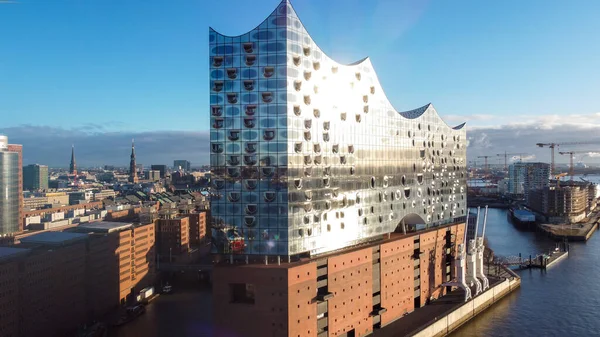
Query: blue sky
[[141, 66]]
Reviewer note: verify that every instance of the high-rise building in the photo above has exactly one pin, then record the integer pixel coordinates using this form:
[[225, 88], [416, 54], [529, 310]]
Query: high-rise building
[[161, 168], [133, 178], [19, 150], [35, 177], [152, 175], [182, 165], [319, 160], [11, 187], [525, 176], [73, 165], [308, 160]]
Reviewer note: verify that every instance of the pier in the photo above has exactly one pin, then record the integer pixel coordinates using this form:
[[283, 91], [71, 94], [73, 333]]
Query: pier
[[539, 261], [573, 232]]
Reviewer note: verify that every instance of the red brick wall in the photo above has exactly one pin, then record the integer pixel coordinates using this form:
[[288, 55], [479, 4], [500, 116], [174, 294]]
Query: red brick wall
[[302, 309], [350, 278], [397, 278]]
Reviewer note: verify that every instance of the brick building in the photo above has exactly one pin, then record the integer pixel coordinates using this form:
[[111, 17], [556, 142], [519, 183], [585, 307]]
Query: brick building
[[172, 237], [61, 280], [198, 228], [350, 293]]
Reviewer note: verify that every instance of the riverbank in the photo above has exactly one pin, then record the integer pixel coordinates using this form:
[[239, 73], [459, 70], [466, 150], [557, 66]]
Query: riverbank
[[573, 232]]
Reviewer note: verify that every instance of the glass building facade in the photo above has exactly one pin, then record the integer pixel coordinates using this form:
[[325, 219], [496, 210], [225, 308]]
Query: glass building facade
[[9, 189], [309, 156]]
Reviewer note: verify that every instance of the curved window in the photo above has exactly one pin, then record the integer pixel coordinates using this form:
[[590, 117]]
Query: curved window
[[316, 65], [366, 109], [232, 73], [327, 171], [267, 97], [318, 160], [268, 72], [352, 170], [358, 118], [307, 135], [251, 147], [407, 193], [234, 196], [296, 60], [334, 70], [308, 207], [419, 193], [307, 123], [307, 171], [317, 148], [327, 204], [342, 160], [250, 160], [307, 75], [307, 99], [268, 171], [420, 178], [217, 86], [372, 90], [343, 116], [250, 221], [326, 182], [233, 172], [250, 109], [270, 196], [326, 125], [298, 147], [308, 195], [372, 182], [248, 47], [234, 135], [307, 160], [335, 148], [306, 50], [358, 76], [317, 113], [298, 183], [234, 160], [366, 98], [297, 110], [298, 85], [219, 184], [217, 61], [216, 147], [249, 122], [218, 123], [250, 60], [249, 85], [251, 209], [216, 110], [316, 89], [232, 97], [269, 134], [251, 184]]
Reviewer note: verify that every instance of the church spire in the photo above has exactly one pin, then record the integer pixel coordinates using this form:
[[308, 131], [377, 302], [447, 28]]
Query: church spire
[[133, 178], [73, 165]]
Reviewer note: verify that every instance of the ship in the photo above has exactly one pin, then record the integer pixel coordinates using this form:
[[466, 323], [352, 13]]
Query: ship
[[522, 218]]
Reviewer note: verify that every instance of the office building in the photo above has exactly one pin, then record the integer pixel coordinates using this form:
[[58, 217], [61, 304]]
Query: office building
[[153, 175], [182, 165], [523, 177], [35, 177], [349, 205], [161, 168], [11, 187], [198, 229], [172, 237]]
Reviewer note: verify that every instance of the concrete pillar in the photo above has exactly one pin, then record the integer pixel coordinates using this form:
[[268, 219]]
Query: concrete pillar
[[266, 260], [278, 260]]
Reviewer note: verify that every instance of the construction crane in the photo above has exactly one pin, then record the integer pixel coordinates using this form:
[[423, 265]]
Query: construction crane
[[553, 145], [557, 177], [571, 153], [512, 155], [487, 169]]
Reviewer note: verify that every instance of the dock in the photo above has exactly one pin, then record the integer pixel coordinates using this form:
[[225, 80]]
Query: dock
[[449, 312], [573, 232]]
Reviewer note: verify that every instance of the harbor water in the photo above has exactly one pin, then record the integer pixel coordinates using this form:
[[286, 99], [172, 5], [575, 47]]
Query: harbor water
[[561, 301]]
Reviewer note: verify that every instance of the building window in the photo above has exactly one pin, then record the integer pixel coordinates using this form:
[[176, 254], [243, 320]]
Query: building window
[[242, 293]]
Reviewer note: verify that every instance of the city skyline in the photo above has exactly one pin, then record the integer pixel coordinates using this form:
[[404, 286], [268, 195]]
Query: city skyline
[[484, 54]]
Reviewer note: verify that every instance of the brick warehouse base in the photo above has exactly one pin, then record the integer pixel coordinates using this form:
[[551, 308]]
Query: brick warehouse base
[[349, 293]]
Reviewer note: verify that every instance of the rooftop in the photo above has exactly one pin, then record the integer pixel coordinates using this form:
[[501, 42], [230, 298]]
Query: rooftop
[[9, 252], [54, 238], [104, 226]]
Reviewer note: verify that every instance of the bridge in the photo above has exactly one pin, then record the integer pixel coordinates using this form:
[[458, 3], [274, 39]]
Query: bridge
[[541, 260]]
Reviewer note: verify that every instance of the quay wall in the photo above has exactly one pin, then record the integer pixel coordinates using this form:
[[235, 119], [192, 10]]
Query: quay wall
[[462, 314]]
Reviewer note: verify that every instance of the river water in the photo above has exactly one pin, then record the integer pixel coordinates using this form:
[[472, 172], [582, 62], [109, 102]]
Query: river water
[[561, 301]]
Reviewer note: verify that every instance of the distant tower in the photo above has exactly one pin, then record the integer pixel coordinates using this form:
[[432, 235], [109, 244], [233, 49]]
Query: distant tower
[[133, 178], [73, 166]]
